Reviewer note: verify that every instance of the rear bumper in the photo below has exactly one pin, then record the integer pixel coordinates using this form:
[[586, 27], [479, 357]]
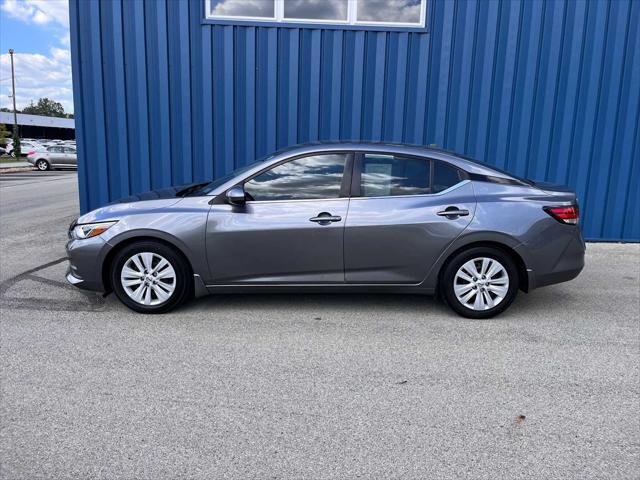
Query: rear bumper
[[557, 277], [566, 265]]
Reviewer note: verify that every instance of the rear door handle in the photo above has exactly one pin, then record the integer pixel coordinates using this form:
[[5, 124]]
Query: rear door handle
[[450, 212], [325, 218]]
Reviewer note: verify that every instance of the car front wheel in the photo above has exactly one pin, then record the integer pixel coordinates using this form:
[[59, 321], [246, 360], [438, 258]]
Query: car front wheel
[[151, 277], [42, 165], [480, 282]]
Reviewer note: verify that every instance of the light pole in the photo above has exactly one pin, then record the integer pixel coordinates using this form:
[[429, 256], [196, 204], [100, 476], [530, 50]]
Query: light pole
[[16, 138]]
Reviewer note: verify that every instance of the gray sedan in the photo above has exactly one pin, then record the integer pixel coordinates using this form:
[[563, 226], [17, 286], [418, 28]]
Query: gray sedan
[[57, 156], [335, 217]]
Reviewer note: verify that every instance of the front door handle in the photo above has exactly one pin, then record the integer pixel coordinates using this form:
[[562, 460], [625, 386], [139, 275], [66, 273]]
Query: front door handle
[[325, 218], [452, 212]]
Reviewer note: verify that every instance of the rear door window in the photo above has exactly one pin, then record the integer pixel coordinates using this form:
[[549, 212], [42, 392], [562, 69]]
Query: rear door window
[[390, 175], [385, 175]]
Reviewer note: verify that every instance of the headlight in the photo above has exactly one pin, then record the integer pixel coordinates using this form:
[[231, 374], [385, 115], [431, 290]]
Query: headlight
[[89, 230]]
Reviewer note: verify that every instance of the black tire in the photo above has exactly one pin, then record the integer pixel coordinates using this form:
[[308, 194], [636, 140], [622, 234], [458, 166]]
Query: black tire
[[183, 276], [448, 281], [42, 165]]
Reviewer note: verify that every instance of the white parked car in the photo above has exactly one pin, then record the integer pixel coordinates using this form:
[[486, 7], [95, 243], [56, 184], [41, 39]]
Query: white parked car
[[26, 146]]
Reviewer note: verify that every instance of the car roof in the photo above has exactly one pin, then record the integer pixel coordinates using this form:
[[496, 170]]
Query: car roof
[[462, 162], [466, 164]]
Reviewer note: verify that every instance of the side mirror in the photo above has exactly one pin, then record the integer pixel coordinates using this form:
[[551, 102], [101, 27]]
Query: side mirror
[[236, 195]]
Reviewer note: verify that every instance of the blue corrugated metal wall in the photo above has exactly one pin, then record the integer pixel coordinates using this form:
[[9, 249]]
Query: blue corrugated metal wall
[[545, 89]]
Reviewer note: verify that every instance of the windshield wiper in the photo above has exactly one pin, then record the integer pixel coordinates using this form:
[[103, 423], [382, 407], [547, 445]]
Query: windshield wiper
[[190, 189]]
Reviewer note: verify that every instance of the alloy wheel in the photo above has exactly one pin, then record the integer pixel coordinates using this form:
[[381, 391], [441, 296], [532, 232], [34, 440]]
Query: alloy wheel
[[42, 165], [148, 278], [481, 283]]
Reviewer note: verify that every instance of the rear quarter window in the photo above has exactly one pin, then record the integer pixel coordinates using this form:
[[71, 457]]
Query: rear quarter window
[[444, 176]]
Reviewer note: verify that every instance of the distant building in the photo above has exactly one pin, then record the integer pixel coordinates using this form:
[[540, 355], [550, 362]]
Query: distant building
[[39, 126]]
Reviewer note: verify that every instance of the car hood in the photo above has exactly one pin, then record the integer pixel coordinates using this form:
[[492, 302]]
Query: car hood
[[160, 193], [135, 204], [115, 211]]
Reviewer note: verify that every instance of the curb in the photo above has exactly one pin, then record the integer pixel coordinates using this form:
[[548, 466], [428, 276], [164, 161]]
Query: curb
[[16, 169]]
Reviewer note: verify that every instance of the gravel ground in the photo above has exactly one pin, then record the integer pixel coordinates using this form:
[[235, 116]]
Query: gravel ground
[[309, 386]]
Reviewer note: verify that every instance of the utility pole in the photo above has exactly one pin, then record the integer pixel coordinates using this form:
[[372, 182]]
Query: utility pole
[[16, 137]]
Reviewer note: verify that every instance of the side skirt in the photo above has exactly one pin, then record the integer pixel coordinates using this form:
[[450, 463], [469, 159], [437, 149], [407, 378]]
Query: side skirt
[[320, 288]]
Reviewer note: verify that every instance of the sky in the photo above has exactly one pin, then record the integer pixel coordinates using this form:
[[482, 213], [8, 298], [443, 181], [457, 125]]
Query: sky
[[38, 32]]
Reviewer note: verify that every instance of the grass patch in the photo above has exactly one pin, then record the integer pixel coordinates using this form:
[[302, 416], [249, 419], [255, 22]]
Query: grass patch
[[8, 159]]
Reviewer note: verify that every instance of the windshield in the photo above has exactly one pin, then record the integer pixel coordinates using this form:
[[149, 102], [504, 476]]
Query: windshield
[[238, 171]]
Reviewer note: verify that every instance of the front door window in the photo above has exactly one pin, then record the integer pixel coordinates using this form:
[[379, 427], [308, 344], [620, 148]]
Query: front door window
[[307, 178]]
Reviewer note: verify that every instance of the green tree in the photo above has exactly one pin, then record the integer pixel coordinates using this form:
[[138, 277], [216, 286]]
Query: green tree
[[4, 134], [46, 107]]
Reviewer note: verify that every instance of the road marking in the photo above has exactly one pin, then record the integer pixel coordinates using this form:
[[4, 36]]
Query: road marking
[[25, 182]]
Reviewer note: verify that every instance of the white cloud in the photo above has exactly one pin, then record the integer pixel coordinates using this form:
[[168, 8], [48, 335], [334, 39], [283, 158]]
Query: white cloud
[[37, 76], [65, 40], [41, 18], [390, 10], [61, 55], [57, 10], [19, 10], [45, 74], [252, 8], [40, 12]]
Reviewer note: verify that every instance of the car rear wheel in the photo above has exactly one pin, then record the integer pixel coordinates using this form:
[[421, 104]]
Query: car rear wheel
[[42, 165], [480, 282], [151, 277]]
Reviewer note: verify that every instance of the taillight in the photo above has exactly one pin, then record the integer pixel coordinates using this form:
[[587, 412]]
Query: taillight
[[567, 215], [30, 153]]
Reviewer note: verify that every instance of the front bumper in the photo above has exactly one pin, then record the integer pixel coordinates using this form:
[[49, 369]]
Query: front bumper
[[85, 263], [72, 279]]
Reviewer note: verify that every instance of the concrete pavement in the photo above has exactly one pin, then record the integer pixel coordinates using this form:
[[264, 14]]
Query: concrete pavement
[[35, 209], [308, 386], [17, 164]]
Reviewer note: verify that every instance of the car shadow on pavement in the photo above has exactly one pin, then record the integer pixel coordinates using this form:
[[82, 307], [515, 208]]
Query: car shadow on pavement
[[38, 289], [316, 301], [44, 288]]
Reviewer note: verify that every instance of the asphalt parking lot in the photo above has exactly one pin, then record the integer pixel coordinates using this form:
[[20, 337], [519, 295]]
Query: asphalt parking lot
[[320, 386]]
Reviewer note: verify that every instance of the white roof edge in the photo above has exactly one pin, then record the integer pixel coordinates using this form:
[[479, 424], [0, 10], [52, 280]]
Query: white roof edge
[[37, 120]]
